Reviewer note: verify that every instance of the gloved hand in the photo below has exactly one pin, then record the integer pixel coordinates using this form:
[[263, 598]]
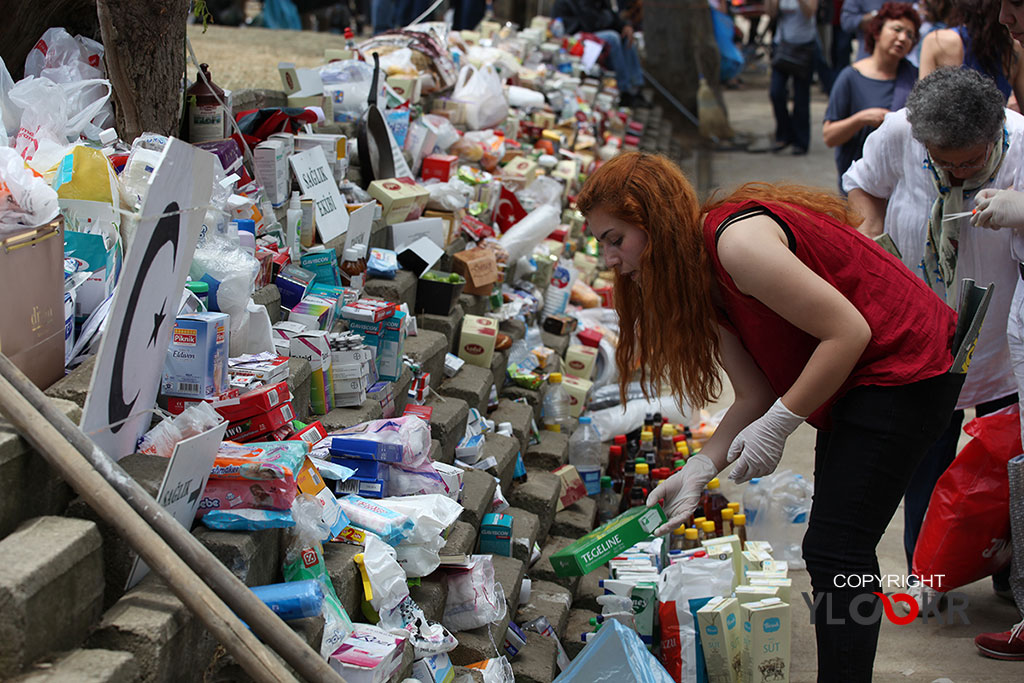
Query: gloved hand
[[681, 492], [759, 446], [999, 209]]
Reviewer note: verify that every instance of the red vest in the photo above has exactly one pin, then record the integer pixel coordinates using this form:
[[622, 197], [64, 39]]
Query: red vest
[[912, 329]]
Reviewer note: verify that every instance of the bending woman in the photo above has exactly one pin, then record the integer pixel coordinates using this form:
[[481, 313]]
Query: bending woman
[[811, 321]]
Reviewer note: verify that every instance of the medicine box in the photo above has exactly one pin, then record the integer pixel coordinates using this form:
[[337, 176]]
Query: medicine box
[[496, 534], [314, 347], [367, 488], [368, 655], [476, 343], [250, 428], [197, 359], [434, 669], [602, 544], [313, 312], [294, 283], [271, 165], [391, 346], [323, 263], [363, 447], [766, 640], [254, 402]]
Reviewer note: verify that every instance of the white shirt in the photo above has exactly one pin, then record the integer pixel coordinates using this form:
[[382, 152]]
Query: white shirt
[[893, 167]]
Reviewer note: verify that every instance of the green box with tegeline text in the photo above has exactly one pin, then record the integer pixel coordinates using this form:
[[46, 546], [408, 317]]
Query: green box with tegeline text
[[602, 544]]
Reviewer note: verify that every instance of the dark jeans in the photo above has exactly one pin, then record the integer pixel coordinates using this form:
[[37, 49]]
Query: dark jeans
[[842, 45], [861, 468], [936, 461], [791, 129]]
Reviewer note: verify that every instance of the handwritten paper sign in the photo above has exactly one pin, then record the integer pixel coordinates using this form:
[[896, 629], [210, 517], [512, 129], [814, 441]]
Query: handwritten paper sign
[[317, 182], [360, 224]]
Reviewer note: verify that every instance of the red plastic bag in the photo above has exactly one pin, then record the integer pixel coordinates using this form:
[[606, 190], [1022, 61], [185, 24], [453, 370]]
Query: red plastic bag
[[966, 532]]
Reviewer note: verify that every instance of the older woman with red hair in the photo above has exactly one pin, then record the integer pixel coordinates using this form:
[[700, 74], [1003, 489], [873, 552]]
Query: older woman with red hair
[[811, 321]]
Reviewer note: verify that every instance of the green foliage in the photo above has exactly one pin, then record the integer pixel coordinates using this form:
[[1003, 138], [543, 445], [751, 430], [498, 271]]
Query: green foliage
[[201, 12]]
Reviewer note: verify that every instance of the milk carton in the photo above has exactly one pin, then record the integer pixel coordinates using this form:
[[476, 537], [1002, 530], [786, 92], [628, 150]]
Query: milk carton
[[721, 639], [476, 344], [197, 359], [765, 653]]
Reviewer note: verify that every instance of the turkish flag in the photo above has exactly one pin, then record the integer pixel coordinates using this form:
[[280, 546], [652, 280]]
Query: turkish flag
[[509, 211]]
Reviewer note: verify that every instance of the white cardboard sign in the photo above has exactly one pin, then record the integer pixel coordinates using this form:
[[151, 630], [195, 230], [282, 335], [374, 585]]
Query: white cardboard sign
[[132, 352], [405, 233], [360, 223], [317, 182]]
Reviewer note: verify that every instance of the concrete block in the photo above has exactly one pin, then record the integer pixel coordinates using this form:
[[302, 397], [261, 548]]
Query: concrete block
[[431, 594], [51, 589], [551, 453], [590, 589], [31, 488], [477, 496], [270, 298], [448, 325], [576, 520], [578, 623], [536, 663], [525, 526], [448, 422], [535, 398], [253, 556], [509, 572], [514, 327], [473, 304], [475, 675], [428, 349], [401, 290], [151, 623], [436, 454], [558, 342], [499, 368], [545, 572], [118, 557], [504, 450], [225, 668], [299, 381], [461, 540], [86, 666], [547, 600], [486, 642], [472, 384], [520, 415], [401, 390], [341, 418], [345, 575], [74, 386], [539, 495], [444, 264]]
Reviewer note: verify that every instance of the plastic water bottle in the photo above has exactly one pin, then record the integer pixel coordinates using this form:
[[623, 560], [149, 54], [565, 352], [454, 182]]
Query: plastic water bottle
[[585, 455], [555, 411], [754, 503], [556, 298], [793, 504]]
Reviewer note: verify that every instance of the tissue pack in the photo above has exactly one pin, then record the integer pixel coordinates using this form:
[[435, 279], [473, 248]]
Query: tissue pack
[[197, 359]]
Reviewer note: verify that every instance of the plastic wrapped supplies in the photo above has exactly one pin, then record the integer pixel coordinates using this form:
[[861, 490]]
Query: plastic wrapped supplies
[[474, 598], [683, 588], [28, 198], [614, 655]]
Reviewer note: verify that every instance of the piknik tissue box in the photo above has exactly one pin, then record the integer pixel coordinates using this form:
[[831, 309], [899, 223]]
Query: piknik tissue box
[[197, 359]]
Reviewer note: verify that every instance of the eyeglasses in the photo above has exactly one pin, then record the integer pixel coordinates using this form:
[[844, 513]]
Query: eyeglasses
[[969, 165], [903, 30]]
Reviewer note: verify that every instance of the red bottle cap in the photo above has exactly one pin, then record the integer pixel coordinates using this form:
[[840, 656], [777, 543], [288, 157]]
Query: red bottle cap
[[620, 440], [615, 450]]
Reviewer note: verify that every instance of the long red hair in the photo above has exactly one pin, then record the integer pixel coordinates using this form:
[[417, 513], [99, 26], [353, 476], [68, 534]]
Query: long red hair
[[668, 325]]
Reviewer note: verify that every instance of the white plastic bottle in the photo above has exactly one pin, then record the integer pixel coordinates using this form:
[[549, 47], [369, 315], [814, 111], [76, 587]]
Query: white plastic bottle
[[293, 220], [556, 297], [585, 455], [754, 506], [555, 411]]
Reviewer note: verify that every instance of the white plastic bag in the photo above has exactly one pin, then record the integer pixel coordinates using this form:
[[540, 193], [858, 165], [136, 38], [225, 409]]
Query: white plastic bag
[[474, 598], [520, 239], [485, 101], [31, 202], [10, 114], [387, 579], [431, 514], [66, 60], [700, 577]]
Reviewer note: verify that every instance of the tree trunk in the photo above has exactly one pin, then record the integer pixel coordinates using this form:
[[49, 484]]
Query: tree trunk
[[145, 58], [27, 20]]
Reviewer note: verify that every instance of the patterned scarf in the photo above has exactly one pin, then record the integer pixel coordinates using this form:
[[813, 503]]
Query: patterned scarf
[[943, 237]]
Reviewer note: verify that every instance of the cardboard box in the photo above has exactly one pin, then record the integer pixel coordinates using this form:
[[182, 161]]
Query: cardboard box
[[335, 149], [480, 269], [766, 634], [314, 347], [579, 393], [496, 535], [521, 170], [33, 328], [294, 283], [440, 166], [251, 428], [253, 402], [559, 324], [407, 88], [314, 312], [604, 543], [573, 488], [434, 669], [721, 639], [368, 655], [476, 343], [400, 198], [309, 481], [579, 361], [197, 359], [270, 163], [745, 594]]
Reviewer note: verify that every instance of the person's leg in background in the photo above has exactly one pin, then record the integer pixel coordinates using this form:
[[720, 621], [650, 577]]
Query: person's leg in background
[[624, 77], [382, 15], [801, 115], [842, 46], [860, 470], [778, 91], [468, 14]]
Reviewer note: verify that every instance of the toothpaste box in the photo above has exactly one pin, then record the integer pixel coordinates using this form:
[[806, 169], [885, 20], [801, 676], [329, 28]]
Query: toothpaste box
[[721, 638], [197, 359], [604, 543], [766, 633], [496, 535], [368, 655], [314, 347]]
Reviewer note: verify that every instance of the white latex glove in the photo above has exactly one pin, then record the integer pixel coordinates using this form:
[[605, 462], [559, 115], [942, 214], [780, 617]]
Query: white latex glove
[[999, 209], [759, 446], [681, 492]]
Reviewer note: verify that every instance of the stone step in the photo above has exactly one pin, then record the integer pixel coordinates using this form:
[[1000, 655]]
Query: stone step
[[487, 641], [536, 662], [473, 304], [345, 577], [539, 495], [576, 520], [85, 666], [519, 415], [534, 398], [51, 589], [547, 600], [578, 623], [551, 453], [444, 264], [543, 570], [590, 590], [428, 349], [225, 668], [448, 325], [300, 378], [514, 328], [448, 422], [400, 290], [461, 539], [269, 297], [152, 624], [499, 368], [525, 526], [477, 497], [504, 450], [75, 385], [472, 384], [436, 454], [431, 594], [558, 342], [31, 488]]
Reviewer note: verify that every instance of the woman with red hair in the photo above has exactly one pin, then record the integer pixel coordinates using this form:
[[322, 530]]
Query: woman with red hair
[[811, 321]]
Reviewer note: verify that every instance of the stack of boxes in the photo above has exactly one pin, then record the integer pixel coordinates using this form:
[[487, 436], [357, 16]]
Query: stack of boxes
[[371, 461], [353, 369]]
